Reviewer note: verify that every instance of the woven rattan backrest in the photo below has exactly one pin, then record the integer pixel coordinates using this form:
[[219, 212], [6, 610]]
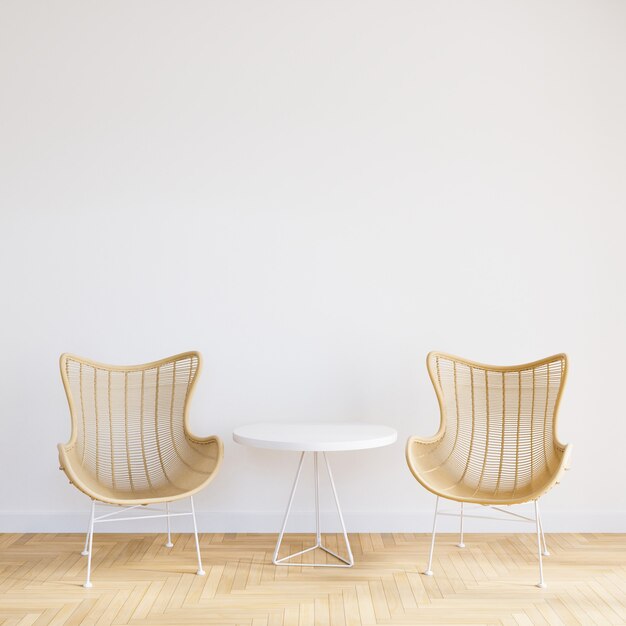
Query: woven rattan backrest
[[129, 423], [499, 422]]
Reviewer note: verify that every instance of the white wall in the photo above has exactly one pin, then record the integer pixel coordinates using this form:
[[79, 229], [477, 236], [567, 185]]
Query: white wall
[[312, 194]]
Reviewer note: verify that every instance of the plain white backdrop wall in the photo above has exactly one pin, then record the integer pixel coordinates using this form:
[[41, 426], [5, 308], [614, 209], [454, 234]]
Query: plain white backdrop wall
[[314, 195]]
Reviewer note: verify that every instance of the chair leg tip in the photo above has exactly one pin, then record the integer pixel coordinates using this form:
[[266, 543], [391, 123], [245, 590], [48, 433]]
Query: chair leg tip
[[460, 545], [428, 572], [169, 544], [200, 572], [87, 585], [85, 553], [541, 585], [545, 553]]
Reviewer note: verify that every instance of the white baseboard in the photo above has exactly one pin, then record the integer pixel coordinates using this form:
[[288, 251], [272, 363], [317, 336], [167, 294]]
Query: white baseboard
[[269, 522]]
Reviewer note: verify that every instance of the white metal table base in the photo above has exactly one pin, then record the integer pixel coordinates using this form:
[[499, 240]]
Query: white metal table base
[[349, 562]]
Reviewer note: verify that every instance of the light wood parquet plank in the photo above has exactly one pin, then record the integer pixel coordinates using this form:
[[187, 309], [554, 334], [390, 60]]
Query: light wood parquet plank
[[337, 615], [366, 605]]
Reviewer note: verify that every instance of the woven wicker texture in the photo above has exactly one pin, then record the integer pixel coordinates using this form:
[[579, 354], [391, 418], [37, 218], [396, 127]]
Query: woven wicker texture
[[130, 443], [497, 442]]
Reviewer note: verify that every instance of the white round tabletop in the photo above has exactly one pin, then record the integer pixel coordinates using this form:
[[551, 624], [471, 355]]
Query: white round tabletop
[[318, 437]]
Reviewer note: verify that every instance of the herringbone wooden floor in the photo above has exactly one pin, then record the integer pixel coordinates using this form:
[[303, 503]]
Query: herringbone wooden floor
[[138, 581]]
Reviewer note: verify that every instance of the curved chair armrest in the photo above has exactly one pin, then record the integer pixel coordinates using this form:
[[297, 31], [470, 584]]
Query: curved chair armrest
[[436, 438], [66, 457], [204, 441], [423, 441], [566, 450], [566, 454], [70, 464], [210, 439], [417, 447], [554, 478], [420, 442]]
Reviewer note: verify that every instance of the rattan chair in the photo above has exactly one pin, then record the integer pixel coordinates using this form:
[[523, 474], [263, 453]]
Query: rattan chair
[[130, 444], [497, 443]]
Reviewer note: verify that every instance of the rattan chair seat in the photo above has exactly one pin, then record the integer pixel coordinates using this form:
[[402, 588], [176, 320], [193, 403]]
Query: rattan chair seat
[[497, 441], [130, 441]]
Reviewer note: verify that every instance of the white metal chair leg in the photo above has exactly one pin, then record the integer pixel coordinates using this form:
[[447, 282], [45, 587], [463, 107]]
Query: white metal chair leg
[[545, 552], [318, 535], [541, 583], [85, 551], [169, 543], [429, 570], [461, 544], [118, 515], [87, 582], [200, 571]]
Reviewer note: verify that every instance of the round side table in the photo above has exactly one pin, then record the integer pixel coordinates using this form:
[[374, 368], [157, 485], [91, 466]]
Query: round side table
[[315, 439]]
